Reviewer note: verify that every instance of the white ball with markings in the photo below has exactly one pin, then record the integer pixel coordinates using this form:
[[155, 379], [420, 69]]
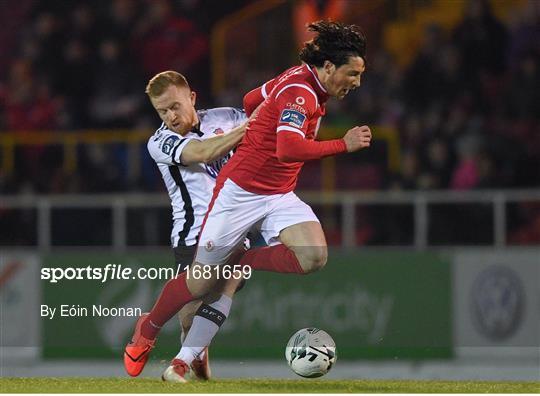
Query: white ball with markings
[[311, 352]]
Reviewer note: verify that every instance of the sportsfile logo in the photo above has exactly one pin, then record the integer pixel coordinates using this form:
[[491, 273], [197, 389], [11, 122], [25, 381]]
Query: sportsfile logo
[[109, 272]]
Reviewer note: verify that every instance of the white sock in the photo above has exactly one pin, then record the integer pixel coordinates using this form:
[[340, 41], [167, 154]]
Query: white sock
[[183, 338], [202, 331]]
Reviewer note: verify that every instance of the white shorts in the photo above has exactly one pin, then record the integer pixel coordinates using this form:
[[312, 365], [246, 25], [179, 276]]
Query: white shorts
[[235, 211]]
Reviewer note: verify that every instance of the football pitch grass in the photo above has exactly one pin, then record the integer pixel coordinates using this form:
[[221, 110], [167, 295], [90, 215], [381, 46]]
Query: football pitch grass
[[116, 385]]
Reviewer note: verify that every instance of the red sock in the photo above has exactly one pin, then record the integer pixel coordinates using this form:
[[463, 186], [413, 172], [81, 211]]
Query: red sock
[[278, 258], [173, 297]]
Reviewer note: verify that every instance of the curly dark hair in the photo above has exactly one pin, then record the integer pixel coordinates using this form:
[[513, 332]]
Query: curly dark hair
[[335, 42]]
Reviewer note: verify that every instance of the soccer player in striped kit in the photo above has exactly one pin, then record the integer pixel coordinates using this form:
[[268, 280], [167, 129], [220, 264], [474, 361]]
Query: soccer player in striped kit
[[190, 148], [256, 186]]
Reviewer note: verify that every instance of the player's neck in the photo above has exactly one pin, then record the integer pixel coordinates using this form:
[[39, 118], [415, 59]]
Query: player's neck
[[322, 76]]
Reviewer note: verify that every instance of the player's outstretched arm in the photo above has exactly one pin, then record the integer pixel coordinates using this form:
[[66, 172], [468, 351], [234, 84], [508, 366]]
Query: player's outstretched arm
[[209, 150], [293, 147]]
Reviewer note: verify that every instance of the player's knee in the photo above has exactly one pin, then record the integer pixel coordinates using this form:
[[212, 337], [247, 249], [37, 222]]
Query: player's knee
[[313, 258]]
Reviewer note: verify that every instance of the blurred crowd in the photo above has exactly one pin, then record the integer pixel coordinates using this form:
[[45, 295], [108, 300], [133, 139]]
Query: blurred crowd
[[466, 109], [83, 65]]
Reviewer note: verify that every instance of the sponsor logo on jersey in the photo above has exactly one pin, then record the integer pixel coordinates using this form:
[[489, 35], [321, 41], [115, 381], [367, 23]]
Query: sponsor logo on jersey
[[215, 167], [168, 144], [218, 131], [209, 246], [296, 107], [293, 118]]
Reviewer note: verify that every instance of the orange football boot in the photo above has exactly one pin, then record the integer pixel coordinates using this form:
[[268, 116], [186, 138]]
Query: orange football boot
[[137, 351]]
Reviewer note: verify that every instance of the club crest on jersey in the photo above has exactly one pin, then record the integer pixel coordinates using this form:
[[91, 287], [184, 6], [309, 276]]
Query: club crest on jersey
[[168, 144], [218, 131], [293, 118]]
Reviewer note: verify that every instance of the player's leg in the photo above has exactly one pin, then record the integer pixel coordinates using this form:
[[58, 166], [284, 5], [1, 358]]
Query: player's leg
[[183, 257], [222, 240], [231, 214], [220, 234], [296, 237], [176, 293], [173, 297], [190, 317], [200, 366], [203, 329], [207, 320], [186, 315], [308, 243]]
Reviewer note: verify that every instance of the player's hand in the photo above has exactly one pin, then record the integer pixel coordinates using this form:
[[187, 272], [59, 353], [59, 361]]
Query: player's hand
[[357, 138]]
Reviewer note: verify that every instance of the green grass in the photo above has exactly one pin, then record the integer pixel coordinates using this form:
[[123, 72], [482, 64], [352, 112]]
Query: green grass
[[115, 385]]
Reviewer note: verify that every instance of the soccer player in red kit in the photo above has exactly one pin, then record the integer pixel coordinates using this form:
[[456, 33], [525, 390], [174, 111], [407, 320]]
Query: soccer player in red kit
[[256, 186]]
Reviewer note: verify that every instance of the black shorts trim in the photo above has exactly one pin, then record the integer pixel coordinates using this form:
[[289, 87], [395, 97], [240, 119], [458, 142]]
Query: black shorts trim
[[184, 256]]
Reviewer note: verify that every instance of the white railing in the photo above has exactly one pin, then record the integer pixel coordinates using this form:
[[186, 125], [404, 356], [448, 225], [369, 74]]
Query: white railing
[[120, 203]]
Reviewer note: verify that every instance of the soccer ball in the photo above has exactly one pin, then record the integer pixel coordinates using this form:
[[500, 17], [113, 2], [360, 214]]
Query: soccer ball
[[311, 352]]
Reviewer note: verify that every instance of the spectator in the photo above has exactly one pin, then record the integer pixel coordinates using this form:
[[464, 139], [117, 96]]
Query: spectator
[[168, 41], [466, 175], [420, 83], [121, 18], [483, 43], [117, 99], [76, 82], [29, 104], [524, 88]]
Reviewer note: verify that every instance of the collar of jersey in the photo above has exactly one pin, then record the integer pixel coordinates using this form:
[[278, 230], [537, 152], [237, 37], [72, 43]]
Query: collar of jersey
[[317, 85], [196, 130]]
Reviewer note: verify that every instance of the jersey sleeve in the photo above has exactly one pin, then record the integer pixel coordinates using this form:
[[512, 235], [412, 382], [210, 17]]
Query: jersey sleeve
[[256, 96], [167, 148], [296, 105], [291, 147]]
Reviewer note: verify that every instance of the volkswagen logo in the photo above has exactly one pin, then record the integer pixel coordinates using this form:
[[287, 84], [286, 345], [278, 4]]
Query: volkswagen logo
[[497, 300]]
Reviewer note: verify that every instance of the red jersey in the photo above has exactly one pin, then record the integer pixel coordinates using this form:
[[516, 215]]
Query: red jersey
[[281, 136]]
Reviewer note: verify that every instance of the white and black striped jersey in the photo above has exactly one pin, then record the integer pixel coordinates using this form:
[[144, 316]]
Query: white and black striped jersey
[[190, 187]]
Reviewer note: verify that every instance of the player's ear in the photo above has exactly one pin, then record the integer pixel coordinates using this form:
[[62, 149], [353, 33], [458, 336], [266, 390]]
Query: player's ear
[[193, 97], [329, 67]]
